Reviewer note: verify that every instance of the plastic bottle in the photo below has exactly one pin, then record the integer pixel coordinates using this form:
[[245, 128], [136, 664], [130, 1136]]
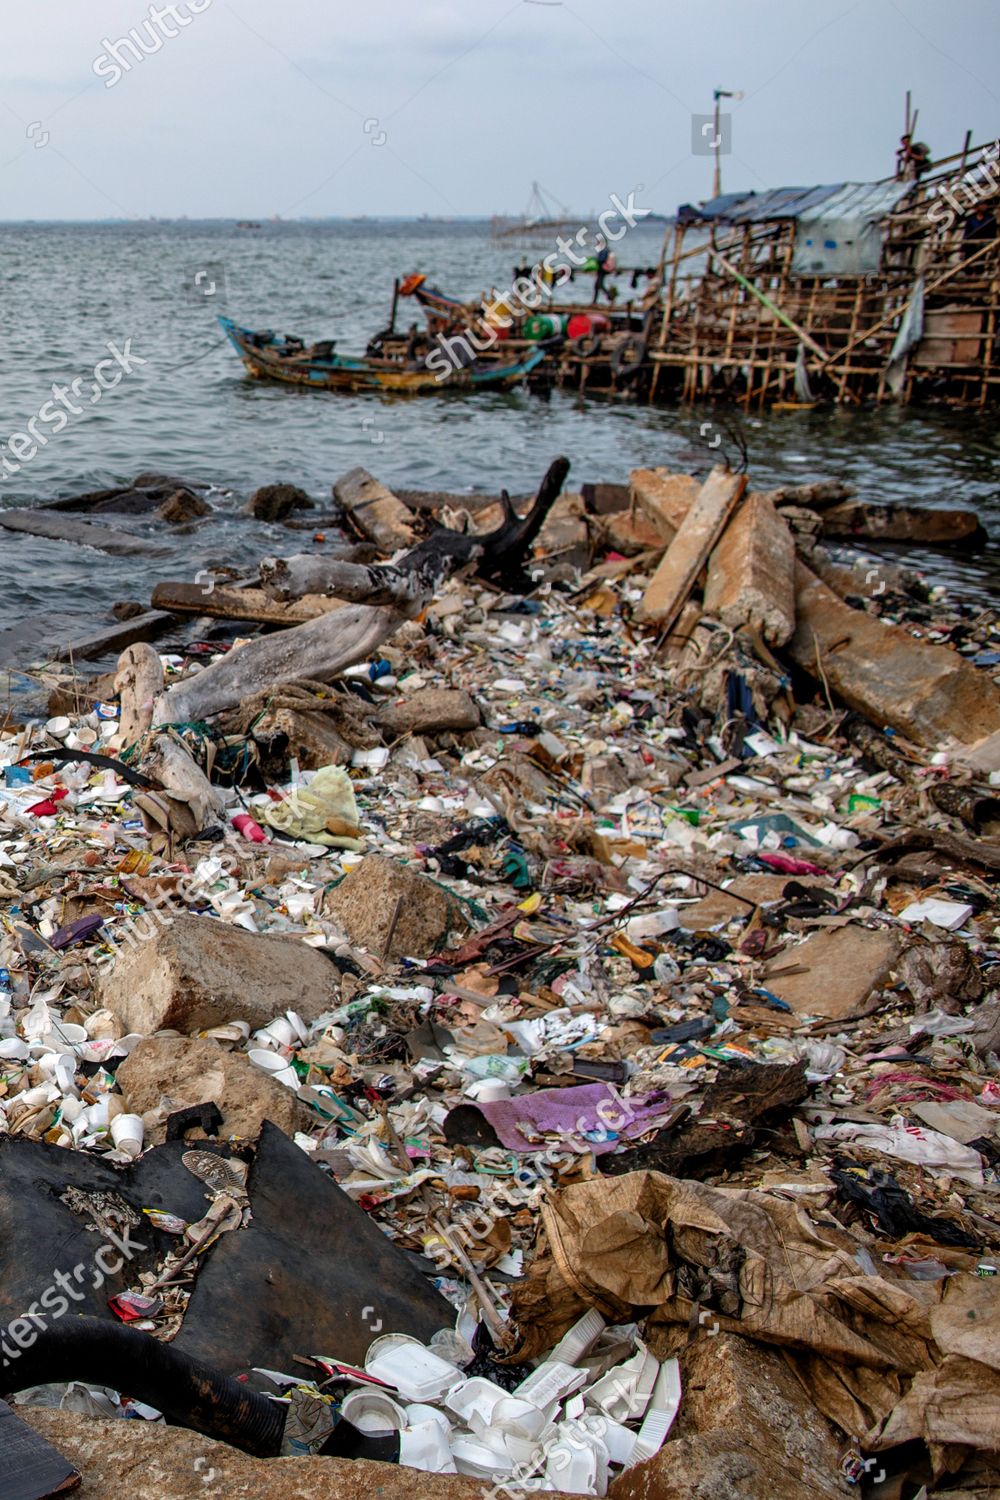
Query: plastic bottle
[[250, 829]]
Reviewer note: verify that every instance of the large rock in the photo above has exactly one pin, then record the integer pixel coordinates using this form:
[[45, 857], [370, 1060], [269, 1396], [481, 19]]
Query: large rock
[[147, 1459], [430, 711], [365, 903], [183, 506], [746, 1431], [189, 1070], [201, 972], [274, 502]]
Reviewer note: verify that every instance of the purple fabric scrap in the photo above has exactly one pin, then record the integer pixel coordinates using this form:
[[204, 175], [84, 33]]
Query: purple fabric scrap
[[592, 1117]]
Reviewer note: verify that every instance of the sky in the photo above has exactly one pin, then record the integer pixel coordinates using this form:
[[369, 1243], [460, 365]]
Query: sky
[[317, 108]]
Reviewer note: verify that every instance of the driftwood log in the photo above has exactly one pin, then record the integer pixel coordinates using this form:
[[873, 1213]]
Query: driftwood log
[[379, 599], [138, 683]]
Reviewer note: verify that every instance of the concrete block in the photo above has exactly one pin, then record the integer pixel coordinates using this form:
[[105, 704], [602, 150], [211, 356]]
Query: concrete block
[[365, 904], [196, 1070], [200, 972], [924, 691], [689, 551], [751, 573], [662, 498], [375, 511]]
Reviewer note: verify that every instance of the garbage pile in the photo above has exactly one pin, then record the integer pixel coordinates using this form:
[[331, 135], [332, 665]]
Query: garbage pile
[[558, 1047]]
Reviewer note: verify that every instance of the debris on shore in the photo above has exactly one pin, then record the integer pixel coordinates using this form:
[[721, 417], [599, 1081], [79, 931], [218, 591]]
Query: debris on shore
[[519, 991]]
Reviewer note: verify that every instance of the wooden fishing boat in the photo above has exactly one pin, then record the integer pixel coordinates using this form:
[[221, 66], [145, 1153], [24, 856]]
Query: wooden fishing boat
[[290, 360]]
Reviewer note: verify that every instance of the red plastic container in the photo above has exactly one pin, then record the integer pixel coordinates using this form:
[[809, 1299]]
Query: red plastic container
[[582, 325]]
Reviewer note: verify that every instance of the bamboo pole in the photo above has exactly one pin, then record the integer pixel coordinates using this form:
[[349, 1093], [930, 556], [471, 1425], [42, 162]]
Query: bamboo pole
[[831, 359], [772, 308]]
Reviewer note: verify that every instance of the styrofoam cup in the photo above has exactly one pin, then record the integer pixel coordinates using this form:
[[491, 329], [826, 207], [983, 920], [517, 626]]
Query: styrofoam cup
[[127, 1132], [373, 1411], [269, 1062]]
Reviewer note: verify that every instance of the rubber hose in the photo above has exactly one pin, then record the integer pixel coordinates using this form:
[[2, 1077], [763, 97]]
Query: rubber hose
[[188, 1393]]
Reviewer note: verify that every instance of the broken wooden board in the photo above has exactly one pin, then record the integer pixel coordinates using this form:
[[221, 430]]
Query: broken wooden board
[[662, 499], [687, 554], [55, 638], [375, 511], [751, 573], [902, 523], [115, 638], [841, 968], [80, 533], [605, 499], [929, 693], [249, 604]]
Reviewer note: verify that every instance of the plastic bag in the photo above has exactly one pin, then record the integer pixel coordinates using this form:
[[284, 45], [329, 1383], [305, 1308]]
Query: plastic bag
[[322, 812]]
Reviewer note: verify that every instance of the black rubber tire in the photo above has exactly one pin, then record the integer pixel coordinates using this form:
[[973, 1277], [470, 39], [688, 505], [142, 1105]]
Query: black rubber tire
[[628, 358], [187, 1392]]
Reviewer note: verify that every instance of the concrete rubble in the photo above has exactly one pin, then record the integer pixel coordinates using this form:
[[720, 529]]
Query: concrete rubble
[[751, 573], [548, 1041]]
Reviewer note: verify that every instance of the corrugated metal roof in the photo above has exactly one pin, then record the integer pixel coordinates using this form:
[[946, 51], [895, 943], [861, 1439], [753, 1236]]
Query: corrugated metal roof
[[870, 201], [842, 200]]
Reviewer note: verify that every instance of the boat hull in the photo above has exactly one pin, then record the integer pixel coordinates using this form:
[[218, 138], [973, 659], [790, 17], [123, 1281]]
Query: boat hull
[[290, 362]]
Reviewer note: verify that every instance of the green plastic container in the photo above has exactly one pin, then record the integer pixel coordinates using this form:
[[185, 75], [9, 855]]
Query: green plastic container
[[544, 326]]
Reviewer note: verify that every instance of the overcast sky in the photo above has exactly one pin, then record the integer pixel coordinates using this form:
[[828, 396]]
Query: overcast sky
[[319, 107]]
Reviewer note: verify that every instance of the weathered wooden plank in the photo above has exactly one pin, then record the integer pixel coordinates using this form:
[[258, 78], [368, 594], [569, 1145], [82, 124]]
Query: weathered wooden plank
[[238, 604], [688, 552], [375, 511], [115, 638], [62, 638], [924, 691], [902, 523], [80, 533]]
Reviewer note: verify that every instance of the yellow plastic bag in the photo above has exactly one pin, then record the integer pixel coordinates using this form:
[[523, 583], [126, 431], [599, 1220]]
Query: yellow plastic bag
[[322, 812]]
